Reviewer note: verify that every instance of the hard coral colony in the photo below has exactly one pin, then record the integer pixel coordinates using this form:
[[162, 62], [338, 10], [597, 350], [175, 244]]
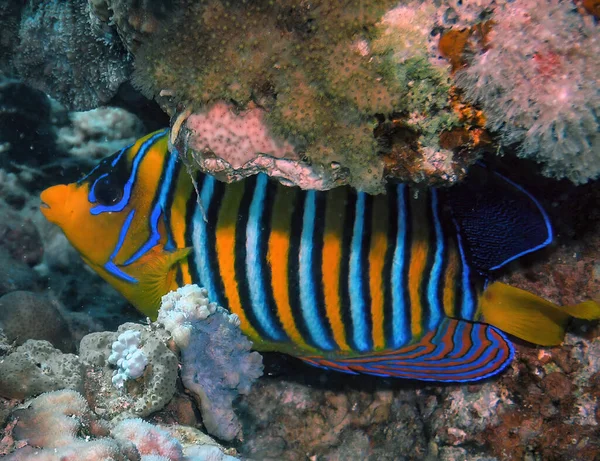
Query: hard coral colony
[[224, 231]]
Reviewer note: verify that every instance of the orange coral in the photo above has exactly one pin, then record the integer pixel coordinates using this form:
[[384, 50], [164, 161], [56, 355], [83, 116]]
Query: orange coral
[[592, 7]]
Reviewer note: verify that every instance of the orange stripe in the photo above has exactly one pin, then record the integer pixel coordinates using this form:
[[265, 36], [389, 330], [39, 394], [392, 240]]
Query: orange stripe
[[225, 244], [179, 218], [418, 259], [277, 258], [449, 282], [161, 144], [379, 245], [332, 254]]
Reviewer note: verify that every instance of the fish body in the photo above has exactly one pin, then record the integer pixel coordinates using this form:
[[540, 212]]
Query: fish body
[[390, 285]]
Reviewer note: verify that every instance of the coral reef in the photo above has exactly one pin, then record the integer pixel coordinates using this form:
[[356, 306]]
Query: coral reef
[[216, 362], [546, 406], [83, 64], [536, 77]]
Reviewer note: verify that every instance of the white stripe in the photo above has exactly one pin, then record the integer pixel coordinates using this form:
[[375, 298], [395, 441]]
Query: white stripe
[[200, 239], [355, 285], [308, 299], [254, 264], [435, 309], [399, 333]]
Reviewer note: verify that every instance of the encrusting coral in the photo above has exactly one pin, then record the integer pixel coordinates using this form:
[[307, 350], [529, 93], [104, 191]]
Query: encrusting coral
[[327, 78]]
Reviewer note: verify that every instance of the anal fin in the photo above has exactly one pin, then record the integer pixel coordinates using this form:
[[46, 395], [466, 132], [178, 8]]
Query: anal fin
[[457, 351]]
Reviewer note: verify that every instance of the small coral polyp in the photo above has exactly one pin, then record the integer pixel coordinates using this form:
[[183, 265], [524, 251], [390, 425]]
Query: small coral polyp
[[325, 75]]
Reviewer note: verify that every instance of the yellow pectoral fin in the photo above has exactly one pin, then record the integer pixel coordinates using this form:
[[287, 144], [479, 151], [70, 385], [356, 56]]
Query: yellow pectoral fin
[[156, 277], [529, 317]]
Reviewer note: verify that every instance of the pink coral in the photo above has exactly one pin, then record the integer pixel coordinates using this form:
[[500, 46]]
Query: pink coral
[[148, 439], [235, 138], [52, 420], [232, 146]]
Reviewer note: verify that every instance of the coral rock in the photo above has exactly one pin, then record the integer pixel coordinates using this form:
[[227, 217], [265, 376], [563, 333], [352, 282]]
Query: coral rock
[[325, 77], [37, 367], [25, 315], [83, 66], [139, 397]]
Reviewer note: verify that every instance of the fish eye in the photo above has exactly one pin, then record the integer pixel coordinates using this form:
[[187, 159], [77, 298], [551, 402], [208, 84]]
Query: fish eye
[[106, 191]]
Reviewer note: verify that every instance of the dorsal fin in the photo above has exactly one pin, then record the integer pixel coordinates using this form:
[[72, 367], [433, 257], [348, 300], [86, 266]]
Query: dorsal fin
[[457, 351], [497, 220]]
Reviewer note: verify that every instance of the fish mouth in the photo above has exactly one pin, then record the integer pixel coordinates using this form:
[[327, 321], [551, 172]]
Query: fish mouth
[[52, 200]]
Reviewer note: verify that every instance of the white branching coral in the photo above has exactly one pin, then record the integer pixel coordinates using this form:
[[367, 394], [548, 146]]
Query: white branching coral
[[538, 81], [128, 357]]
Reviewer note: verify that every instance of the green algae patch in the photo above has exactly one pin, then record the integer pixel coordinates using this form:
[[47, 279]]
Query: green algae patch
[[326, 73]]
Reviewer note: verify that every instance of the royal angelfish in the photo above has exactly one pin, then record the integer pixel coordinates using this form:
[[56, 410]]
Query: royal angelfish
[[389, 285]]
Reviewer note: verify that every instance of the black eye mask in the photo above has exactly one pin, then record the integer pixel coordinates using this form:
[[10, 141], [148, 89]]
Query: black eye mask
[[108, 191], [108, 179]]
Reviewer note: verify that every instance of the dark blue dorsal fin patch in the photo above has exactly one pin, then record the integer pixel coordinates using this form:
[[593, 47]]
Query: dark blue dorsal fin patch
[[497, 220], [457, 351]]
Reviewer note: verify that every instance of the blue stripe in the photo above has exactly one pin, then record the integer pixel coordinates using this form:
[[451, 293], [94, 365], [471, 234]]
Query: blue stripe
[[355, 283], [435, 309], [121, 204], [157, 210], [110, 266], [103, 163], [254, 263], [118, 157], [308, 298], [92, 193], [199, 238], [467, 310], [399, 327]]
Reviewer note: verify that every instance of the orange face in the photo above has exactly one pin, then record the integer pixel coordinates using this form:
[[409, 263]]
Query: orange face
[[93, 236], [111, 215]]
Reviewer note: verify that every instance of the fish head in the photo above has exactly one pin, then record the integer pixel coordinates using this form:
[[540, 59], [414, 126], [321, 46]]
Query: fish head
[[106, 215]]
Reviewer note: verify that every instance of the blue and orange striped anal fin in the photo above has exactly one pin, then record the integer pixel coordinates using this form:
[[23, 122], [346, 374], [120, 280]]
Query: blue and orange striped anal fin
[[457, 351]]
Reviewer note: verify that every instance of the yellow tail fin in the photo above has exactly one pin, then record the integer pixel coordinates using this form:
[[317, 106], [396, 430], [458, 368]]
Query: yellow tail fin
[[529, 317]]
